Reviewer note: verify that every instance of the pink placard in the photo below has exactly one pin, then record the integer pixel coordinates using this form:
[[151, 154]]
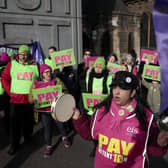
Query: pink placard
[[90, 60], [152, 56]]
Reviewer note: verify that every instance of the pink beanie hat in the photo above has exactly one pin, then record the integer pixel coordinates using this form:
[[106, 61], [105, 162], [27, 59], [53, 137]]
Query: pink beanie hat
[[44, 67], [4, 57]]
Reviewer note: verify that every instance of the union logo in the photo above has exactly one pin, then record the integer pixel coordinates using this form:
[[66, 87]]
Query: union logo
[[121, 112]]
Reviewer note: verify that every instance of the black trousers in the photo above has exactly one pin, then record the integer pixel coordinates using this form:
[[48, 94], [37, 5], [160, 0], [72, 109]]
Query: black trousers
[[48, 124], [4, 105], [21, 122]]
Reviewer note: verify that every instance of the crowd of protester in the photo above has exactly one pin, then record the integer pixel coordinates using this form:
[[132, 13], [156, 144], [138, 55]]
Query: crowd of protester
[[123, 127]]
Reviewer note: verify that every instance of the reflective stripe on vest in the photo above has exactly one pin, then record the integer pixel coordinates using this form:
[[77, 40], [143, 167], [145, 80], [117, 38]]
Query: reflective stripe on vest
[[97, 85], [22, 77]]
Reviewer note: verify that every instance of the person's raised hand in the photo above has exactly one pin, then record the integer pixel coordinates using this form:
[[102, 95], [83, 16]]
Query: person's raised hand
[[147, 61], [76, 114], [61, 68], [162, 139]]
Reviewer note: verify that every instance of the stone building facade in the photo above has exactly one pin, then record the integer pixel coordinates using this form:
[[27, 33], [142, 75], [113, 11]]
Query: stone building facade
[[51, 22], [118, 26], [108, 26]]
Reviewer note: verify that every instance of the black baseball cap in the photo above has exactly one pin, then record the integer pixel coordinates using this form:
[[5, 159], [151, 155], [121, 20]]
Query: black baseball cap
[[125, 80]]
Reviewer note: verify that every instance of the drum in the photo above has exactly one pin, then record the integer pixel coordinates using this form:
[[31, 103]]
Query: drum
[[62, 107]]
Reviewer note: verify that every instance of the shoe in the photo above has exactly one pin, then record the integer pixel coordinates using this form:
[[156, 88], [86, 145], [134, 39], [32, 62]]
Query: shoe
[[48, 151], [66, 142], [12, 150]]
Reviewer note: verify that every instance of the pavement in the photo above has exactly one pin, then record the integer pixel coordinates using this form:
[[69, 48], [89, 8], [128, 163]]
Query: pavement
[[77, 156]]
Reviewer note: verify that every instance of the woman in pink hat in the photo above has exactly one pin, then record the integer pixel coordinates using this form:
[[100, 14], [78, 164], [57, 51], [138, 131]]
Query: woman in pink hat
[[47, 79]]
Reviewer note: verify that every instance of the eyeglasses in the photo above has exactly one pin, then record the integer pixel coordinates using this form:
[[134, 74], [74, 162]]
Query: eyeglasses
[[47, 72], [24, 54]]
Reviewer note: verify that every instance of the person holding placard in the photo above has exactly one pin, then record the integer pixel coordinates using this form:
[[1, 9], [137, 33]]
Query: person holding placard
[[153, 93], [81, 69], [125, 129], [17, 79], [82, 66], [63, 62], [112, 58], [48, 60], [46, 80], [97, 82], [97, 78]]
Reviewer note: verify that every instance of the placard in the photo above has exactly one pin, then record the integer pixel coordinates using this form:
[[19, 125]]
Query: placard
[[64, 57], [152, 56], [90, 100], [115, 67], [44, 96], [151, 72]]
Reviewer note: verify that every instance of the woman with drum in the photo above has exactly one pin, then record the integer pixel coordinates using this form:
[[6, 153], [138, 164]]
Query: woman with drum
[[125, 129], [46, 79]]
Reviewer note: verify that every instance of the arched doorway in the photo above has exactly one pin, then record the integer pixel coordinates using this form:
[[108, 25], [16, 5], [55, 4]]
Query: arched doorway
[[87, 42], [130, 41], [105, 44]]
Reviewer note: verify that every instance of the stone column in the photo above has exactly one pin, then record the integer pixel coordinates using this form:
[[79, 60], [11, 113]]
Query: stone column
[[116, 43], [137, 41], [137, 36], [115, 36]]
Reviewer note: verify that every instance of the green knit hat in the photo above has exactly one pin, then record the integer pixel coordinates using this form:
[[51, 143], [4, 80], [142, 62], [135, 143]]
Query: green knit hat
[[100, 62], [11, 53], [24, 49]]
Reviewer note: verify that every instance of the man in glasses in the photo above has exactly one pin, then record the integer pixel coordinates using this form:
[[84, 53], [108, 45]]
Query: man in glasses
[[81, 70], [16, 80]]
